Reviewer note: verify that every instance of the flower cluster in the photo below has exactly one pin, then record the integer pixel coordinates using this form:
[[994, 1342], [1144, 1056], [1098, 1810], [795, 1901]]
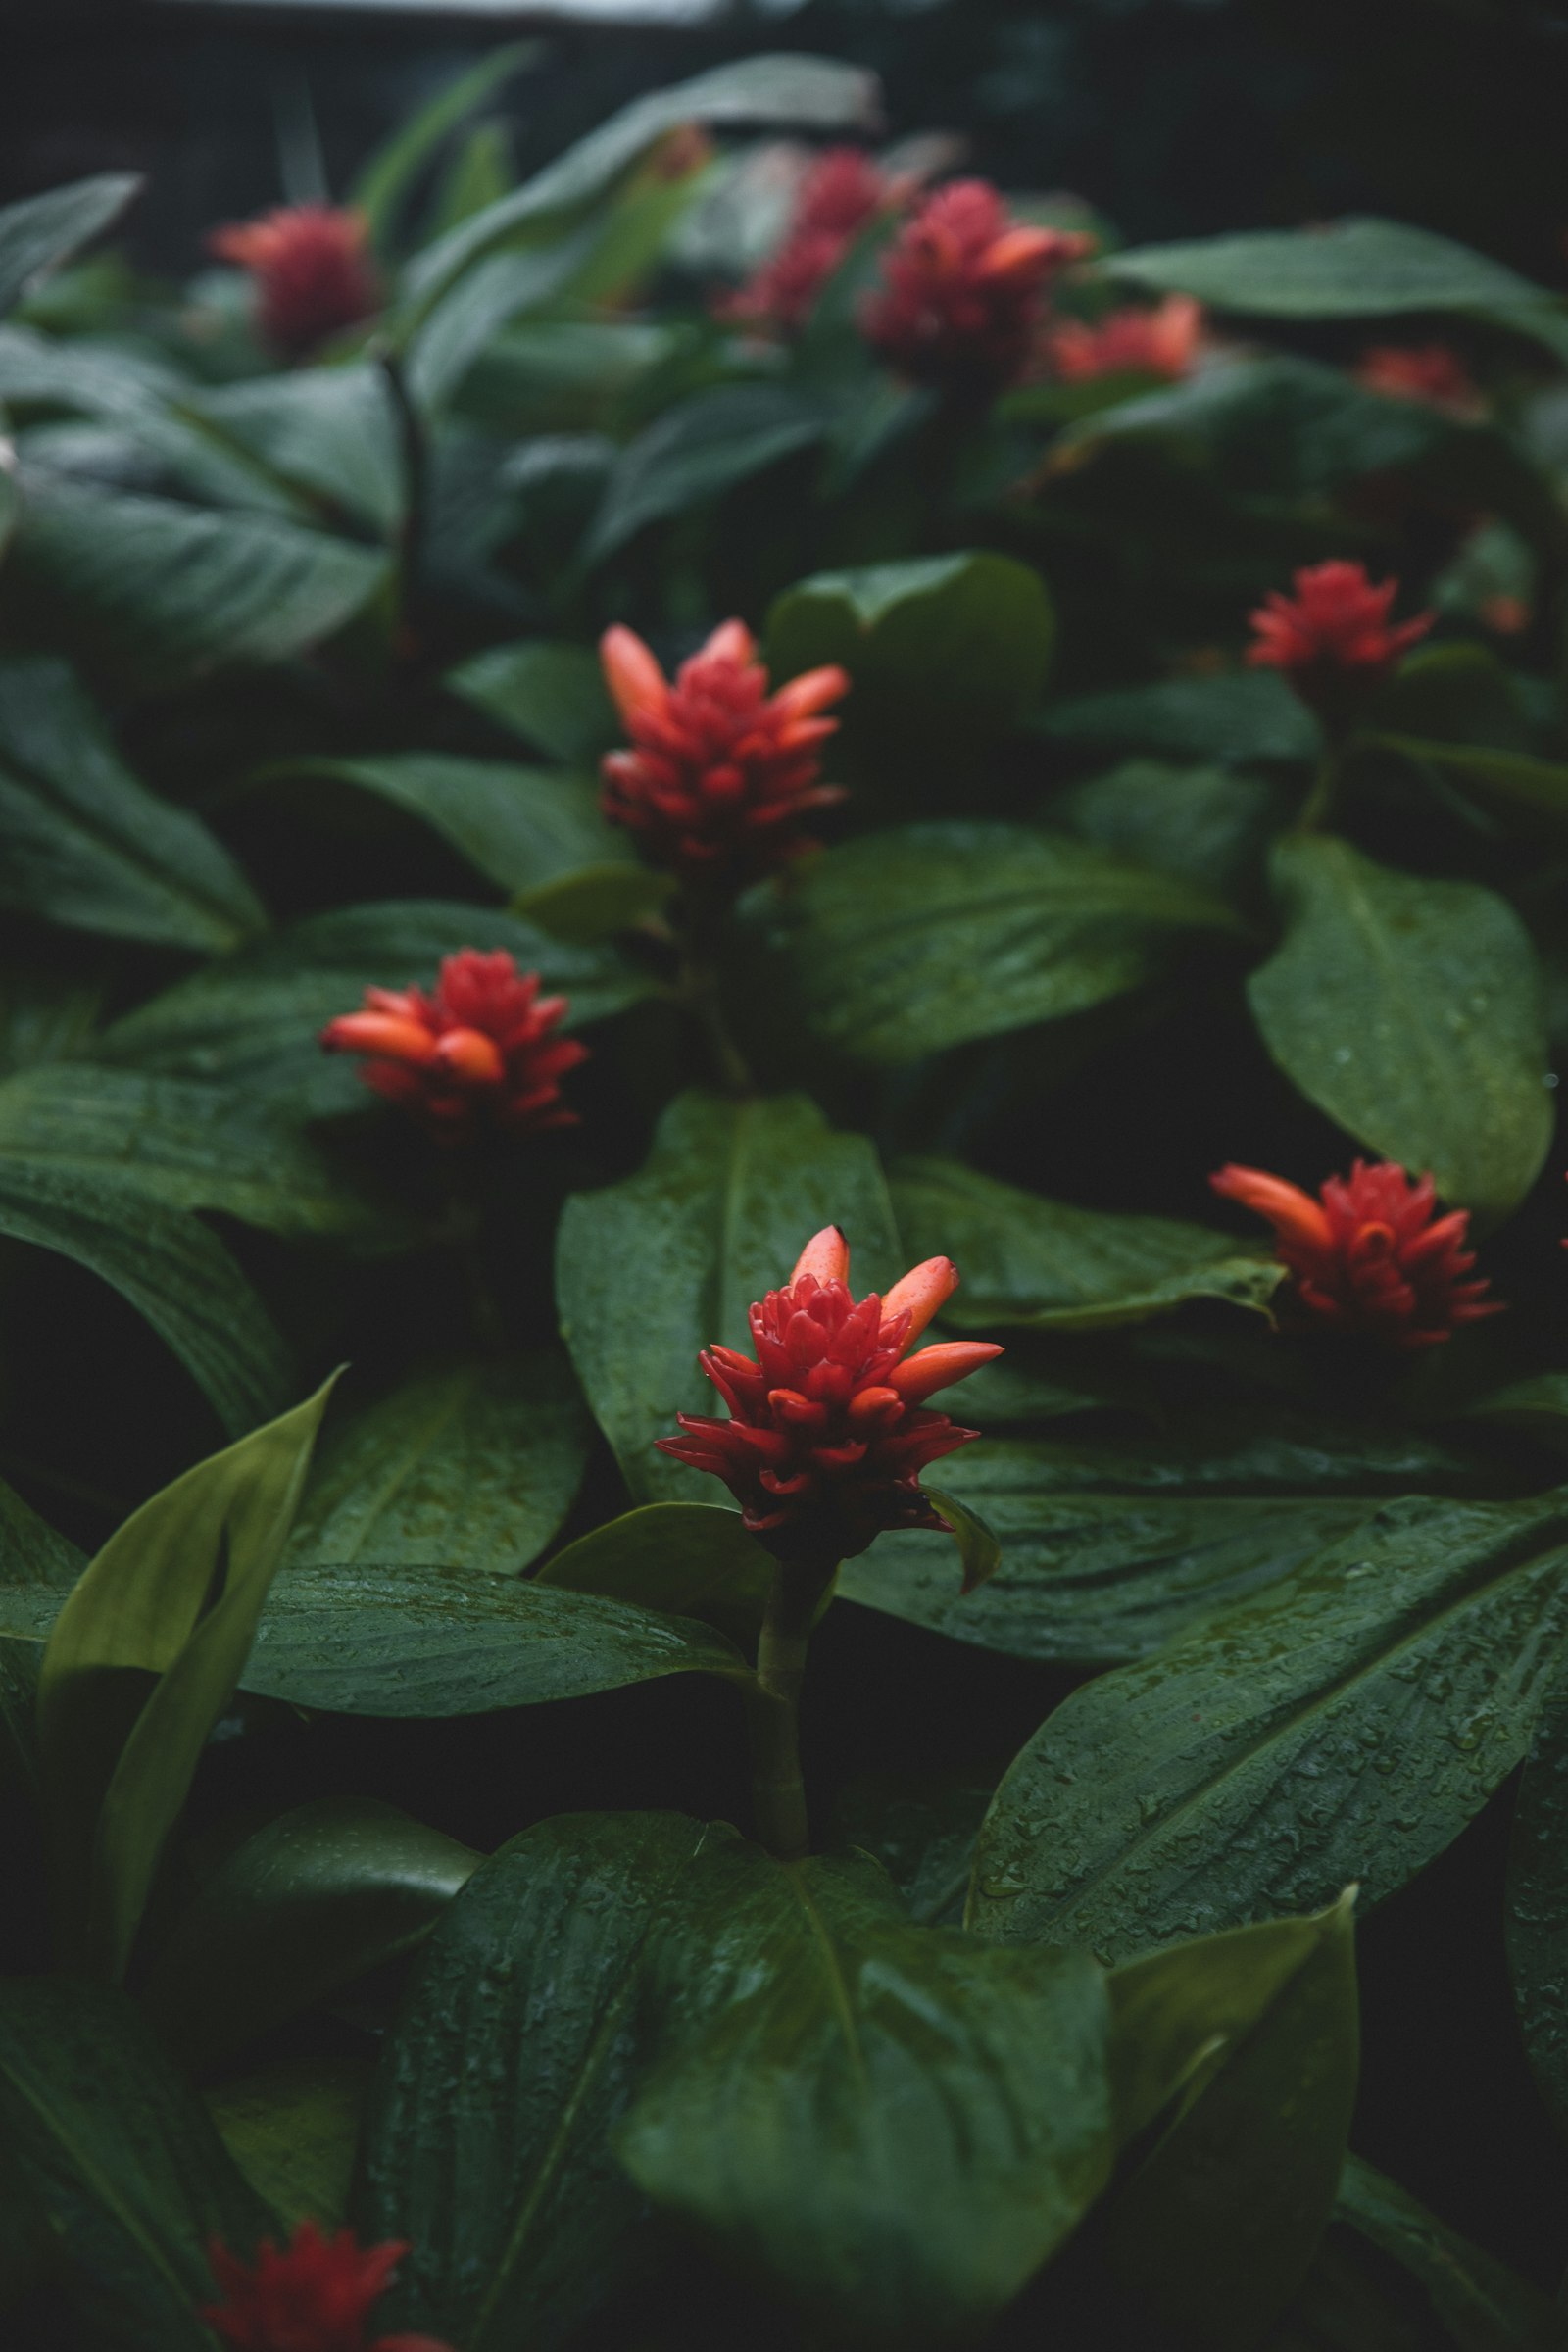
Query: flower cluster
[[1370, 1255], [841, 191], [476, 1050], [720, 772], [1332, 638], [1432, 374], [312, 271], [313, 2296], [1164, 341], [828, 1434], [962, 300]]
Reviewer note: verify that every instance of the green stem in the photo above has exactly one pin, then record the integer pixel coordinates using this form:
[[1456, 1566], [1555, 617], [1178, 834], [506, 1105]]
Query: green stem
[[1318, 805], [415, 474], [778, 1792]]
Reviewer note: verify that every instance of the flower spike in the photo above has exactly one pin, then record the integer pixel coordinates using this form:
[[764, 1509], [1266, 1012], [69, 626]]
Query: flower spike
[[311, 269], [961, 301], [313, 2296], [1332, 638]]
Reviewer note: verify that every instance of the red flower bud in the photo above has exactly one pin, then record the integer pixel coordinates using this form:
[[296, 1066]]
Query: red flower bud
[[477, 1051], [315, 2296], [1370, 1255], [1332, 638], [721, 773], [826, 1439], [1164, 341], [314, 274], [962, 303], [842, 191], [1432, 374]]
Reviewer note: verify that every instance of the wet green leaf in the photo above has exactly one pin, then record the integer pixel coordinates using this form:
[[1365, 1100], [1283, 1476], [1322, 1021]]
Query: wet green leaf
[[1251, 715], [1535, 1912], [1482, 2304], [43, 231], [293, 2127], [694, 1559]]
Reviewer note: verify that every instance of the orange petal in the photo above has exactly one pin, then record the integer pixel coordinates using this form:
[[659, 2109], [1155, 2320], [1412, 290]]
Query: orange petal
[[731, 641], [826, 1255], [1293, 1213], [811, 692], [920, 1376], [634, 678], [1019, 249], [469, 1053], [922, 1290], [380, 1032]]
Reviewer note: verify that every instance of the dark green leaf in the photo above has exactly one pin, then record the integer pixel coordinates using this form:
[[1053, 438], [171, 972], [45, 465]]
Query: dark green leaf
[[552, 694], [85, 843], [911, 939], [1349, 1720], [173, 1270], [293, 2128], [596, 902], [384, 181], [1412, 1013], [1050, 1266], [651, 1271], [979, 1545], [692, 1559], [31, 1553], [698, 449], [1516, 781], [1536, 1914], [1539, 1405], [299, 1910], [121, 2155], [328, 432], [476, 1460], [923, 1834], [1482, 2304], [1206, 825], [1251, 716], [43, 230]]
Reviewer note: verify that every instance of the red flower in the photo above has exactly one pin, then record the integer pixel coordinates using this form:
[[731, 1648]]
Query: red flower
[[842, 191], [1332, 638], [476, 1050], [1162, 341], [826, 1436], [316, 2296], [1368, 1254], [963, 297], [1430, 373], [311, 269], [721, 772]]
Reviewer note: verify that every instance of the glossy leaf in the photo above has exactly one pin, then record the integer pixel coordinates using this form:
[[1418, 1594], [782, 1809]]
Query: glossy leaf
[[906, 941], [292, 2127], [922, 1832], [327, 433], [301, 1907], [596, 902], [86, 844], [552, 694], [651, 1271], [124, 2160], [1411, 1012], [698, 449], [978, 1543], [1535, 1912], [1482, 2304], [1517, 783], [141, 1662], [692, 1559], [1048, 1265], [1349, 1720], [1251, 715], [31, 1554], [476, 1460], [383, 184], [501, 288], [1206, 825], [890, 2124], [175, 1273], [43, 231]]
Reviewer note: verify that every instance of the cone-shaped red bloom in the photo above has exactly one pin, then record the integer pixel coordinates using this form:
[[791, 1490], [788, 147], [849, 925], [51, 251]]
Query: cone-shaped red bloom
[[721, 772], [962, 301], [842, 191], [315, 2296], [1164, 341], [477, 1051], [1430, 373], [1370, 1255], [827, 1434], [312, 272], [1332, 638]]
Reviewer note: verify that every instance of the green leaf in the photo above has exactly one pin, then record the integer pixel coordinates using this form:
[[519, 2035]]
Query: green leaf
[[893, 2126], [696, 451], [923, 1834], [1517, 782], [1046, 1266], [175, 1273], [1251, 716], [692, 1559], [1412, 1013], [945, 653], [476, 1460], [304, 1906], [1205, 825], [1536, 1903], [85, 843], [124, 2161], [178, 1143], [43, 231], [922, 937], [552, 694], [596, 902], [518, 826], [1537, 1405], [30, 1554], [293, 2128], [142, 1660], [254, 1021], [385, 180], [1482, 2304], [520, 2040], [1216, 2227], [161, 593], [1351, 1718], [651, 1271], [327, 432], [979, 1545]]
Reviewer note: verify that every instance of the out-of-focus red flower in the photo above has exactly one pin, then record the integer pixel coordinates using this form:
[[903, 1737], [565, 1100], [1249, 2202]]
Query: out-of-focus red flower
[[962, 299], [476, 1050], [315, 2296], [827, 1434], [1164, 341], [1505, 616], [312, 271], [1430, 373], [721, 771], [841, 191], [1333, 637], [1370, 1255]]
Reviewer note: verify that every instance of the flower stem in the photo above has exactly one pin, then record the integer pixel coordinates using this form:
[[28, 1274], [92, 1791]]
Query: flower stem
[[1318, 805], [778, 1792], [413, 458]]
